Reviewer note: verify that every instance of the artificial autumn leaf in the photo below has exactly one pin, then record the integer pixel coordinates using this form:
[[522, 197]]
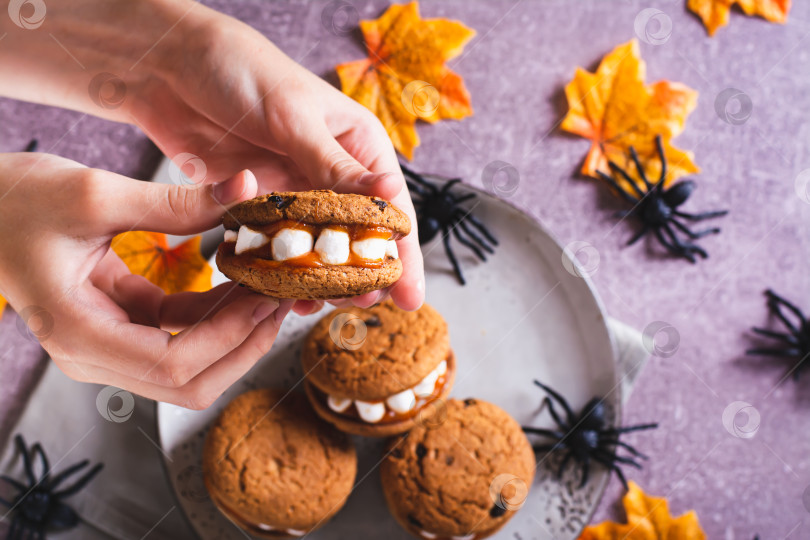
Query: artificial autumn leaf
[[3, 303], [714, 13], [615, 110], [648, 518], [174, 270], [405, 77]]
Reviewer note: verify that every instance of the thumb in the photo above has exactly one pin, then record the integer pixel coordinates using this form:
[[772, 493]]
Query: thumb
[[173, 209], [328, 165]]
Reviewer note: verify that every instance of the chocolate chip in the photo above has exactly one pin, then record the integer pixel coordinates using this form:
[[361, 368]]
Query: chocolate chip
[[373, 321], [421, 451], [413, 521], [380, 204], [449, 460], [497, 511], [468, 402], [281, 202]]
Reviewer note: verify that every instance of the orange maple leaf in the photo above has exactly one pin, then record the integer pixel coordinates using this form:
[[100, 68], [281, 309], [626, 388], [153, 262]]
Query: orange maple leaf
[[714, 13], [648, 518], [405, 77], [3, 303], [615, 110], [174, 270]]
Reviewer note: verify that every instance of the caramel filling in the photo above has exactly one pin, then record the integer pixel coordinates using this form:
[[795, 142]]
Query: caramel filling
[[312, 258]]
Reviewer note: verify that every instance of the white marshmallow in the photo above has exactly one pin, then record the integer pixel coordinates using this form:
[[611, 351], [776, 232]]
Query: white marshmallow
[[403, 402], [429, 536], [442, 367], [230, 236], [333, 246], [426, 386], [338, 404], [391, 249], [370, 248], [291, 243], [296, 532], [249, 239], [465, 537], [370, 412]]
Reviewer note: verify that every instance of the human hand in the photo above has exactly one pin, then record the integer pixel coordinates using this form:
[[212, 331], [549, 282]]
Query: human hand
[[232, 99], [110, 326]]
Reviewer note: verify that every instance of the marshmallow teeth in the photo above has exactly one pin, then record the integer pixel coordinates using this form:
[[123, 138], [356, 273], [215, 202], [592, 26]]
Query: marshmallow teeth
[[333, 246], [338, 404], [231, 236], [291, 243], [370, 248], [370, 412], [391, 249], [249, 239], [403, 402]]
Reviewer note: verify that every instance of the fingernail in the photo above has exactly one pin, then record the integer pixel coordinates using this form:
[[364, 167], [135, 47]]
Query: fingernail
[[372, 178], [264, 310], [231, 189]]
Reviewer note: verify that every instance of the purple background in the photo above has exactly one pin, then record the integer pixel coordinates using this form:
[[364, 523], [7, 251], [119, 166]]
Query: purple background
[[515, 69]]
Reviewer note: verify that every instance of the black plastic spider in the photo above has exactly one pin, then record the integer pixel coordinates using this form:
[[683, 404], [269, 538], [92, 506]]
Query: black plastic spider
[[658, 208], [38, 506], [796, 340], [32, 146], [586, 437], [438, 210]]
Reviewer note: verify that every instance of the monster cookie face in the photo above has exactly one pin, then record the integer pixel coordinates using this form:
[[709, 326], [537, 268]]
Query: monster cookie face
[[313, 244], [267, 454], [378, 371], [461, 478]]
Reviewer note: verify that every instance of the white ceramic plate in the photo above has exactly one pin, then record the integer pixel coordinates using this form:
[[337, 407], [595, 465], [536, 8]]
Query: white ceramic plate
[[521, 316]]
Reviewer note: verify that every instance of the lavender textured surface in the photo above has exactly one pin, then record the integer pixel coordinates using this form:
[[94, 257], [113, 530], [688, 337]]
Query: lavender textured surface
[[516, 67]]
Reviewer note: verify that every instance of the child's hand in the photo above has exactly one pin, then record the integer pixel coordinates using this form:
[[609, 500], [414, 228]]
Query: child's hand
[[110, 326]]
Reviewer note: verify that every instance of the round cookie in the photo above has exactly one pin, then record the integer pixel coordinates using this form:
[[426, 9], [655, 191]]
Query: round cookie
[[376, 371], [274, 468], [300, 267], [463, 477]]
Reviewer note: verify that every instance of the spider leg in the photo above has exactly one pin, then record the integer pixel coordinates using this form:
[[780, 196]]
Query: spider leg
[[692, 248], [615, 441], [545, 432], [672, 248], [774, 352], [6, 503], [46, 467], [612, 467], [59, 478], [640, 169], [792, 307], [16, 484], [417, 178], [550, 404], [472, 234], [586, 469], [617, 458], [787, 338], [546, 447], [659, 144], [558, 397], [777, 311], [690, 234], [621, 214], [638, 235], [482, 229], [464, 198], [468, 244], [32, 146], [630, 429], [416, 188], [615, 185], [14, 529], [452, 256], [623, 173], [449, 185], [83, 481], [700, 216], [26, 458]]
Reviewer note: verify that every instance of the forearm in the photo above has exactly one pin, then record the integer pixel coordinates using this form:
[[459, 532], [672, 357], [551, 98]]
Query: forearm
[[63, 61]]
